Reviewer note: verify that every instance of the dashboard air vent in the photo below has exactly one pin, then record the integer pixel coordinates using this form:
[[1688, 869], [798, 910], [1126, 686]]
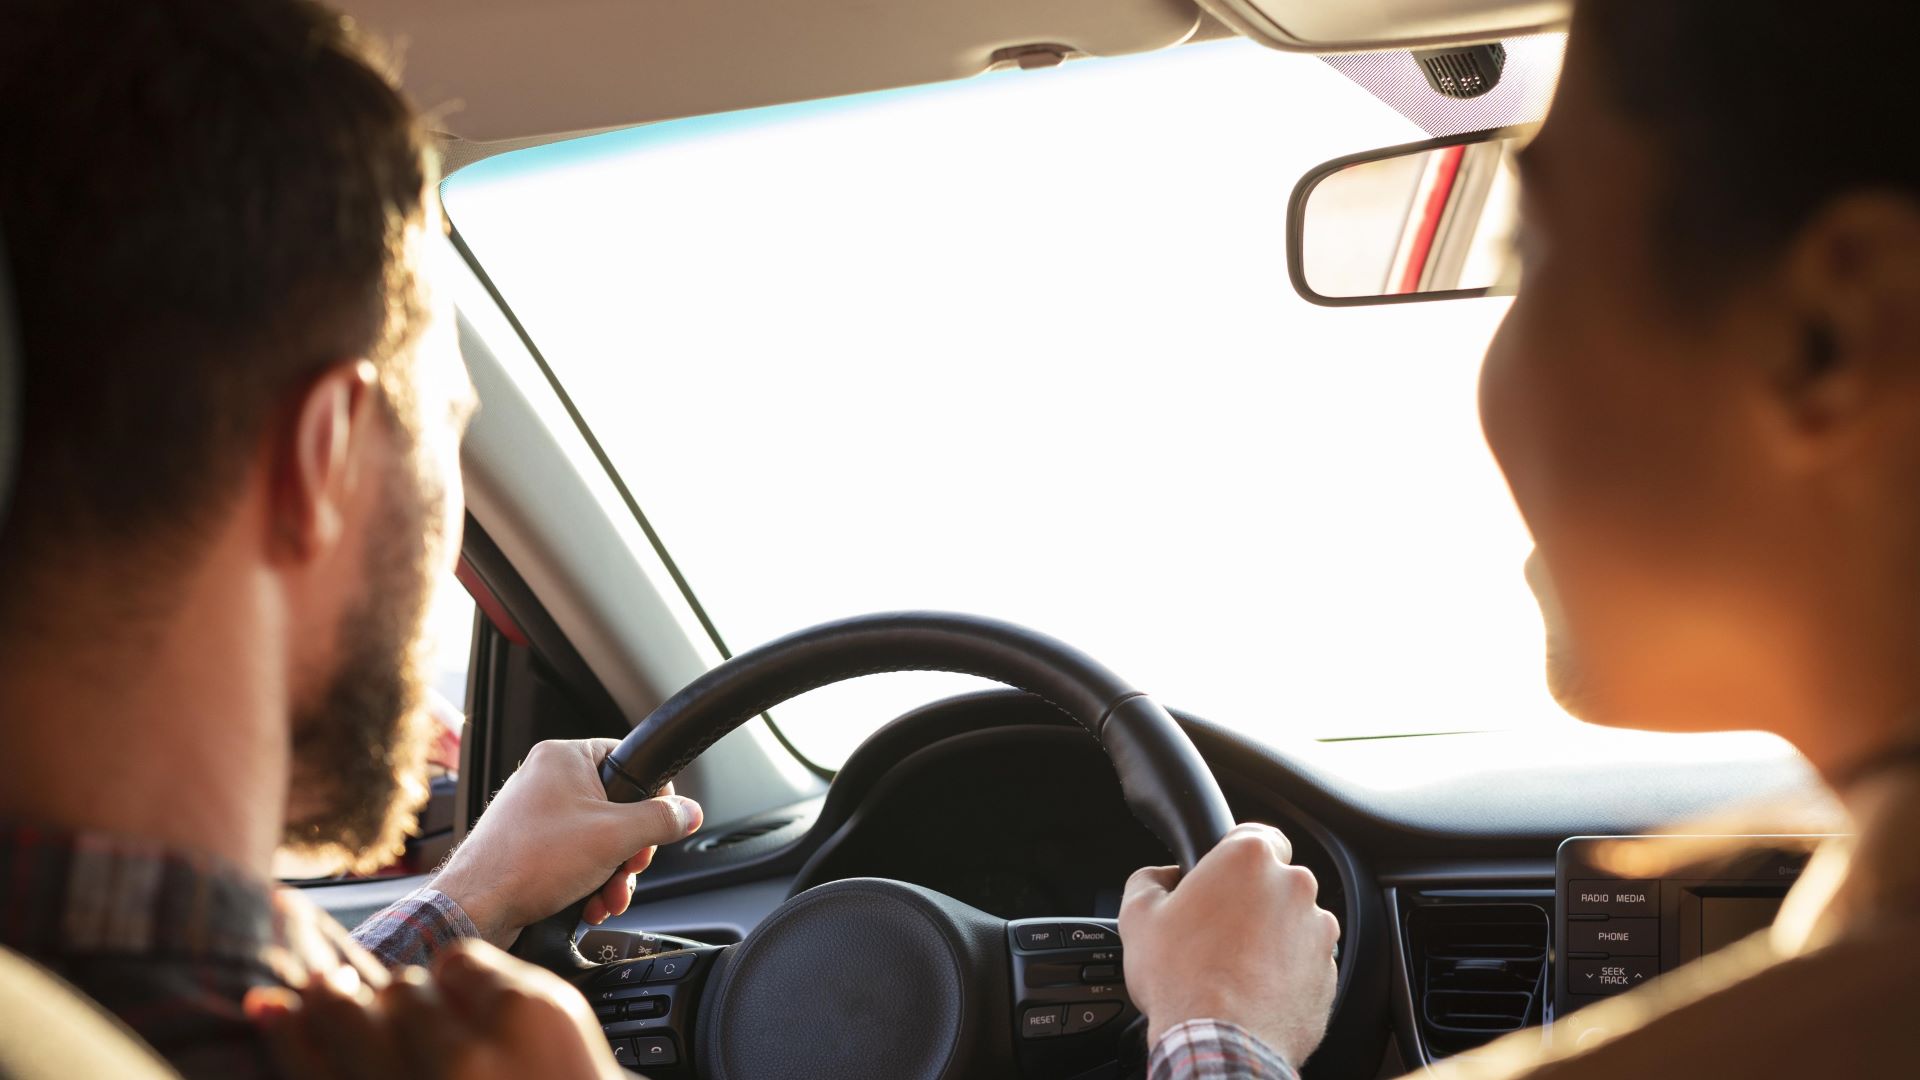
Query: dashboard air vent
[[741, 835], [1479, 969]]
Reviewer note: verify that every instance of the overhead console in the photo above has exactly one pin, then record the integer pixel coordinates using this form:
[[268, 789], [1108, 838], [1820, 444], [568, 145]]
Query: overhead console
[[1319, 26], [1627, 908]]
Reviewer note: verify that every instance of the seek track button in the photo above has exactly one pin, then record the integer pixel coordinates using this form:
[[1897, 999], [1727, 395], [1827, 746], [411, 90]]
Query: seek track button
[[1610, 976]]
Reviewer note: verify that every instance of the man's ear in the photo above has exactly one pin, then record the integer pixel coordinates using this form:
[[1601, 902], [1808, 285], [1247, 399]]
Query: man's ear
[[1853, 279], [318, 458]]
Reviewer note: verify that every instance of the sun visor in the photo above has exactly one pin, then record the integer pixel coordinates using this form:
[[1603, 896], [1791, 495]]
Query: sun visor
[[489, 71], [1344, 26]]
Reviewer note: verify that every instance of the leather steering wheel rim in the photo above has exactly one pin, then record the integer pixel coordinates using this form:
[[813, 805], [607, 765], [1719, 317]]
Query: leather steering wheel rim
[[1163, 779]]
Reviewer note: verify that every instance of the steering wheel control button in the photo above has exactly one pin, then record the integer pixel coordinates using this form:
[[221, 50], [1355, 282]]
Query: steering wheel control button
[[1100, 973], [1613, 898], [623, 1054], [1612, 975], [670, 968], [1035, 938], [1082, 936], [1615, 937], [646, 1008], [630, 1026], [1087, 1017], [654, 1052], [606, 946], [626, 974], [1042, 1023]]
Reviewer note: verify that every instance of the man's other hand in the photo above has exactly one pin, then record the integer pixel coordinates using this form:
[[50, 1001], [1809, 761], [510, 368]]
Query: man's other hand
[[480, 1015], [1239, 939], [551, 837]]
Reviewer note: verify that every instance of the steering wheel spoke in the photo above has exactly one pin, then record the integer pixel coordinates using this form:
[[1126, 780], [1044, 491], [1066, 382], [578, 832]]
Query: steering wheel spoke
[[646, 1006], [1071, 1009]]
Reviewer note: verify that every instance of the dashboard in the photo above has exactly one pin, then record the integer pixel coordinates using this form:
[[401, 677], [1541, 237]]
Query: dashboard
[[1447, 859]]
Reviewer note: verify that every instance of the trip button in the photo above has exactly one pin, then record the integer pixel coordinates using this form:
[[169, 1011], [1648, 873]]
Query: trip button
[[1042, 1023], [1617, 937], [1613, 898], [1077, 936], [1039, 936], [1087, 1017], [1610, 976]]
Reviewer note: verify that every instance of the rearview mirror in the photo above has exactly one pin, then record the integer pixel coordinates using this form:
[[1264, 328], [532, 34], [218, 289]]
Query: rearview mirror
[[1425, 221]]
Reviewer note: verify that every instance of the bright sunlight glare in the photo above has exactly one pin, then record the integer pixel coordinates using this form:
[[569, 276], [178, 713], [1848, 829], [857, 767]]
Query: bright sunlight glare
[[1025, 346]]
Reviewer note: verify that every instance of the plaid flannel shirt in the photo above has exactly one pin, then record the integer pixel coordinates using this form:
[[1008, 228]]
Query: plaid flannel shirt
[[171, 944], [1214, 1050]]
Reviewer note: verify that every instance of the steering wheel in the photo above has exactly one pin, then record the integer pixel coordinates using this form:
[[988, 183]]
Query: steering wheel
[[874, 978]]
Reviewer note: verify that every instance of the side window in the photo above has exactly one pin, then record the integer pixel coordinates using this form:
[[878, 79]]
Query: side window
[[450, 625]]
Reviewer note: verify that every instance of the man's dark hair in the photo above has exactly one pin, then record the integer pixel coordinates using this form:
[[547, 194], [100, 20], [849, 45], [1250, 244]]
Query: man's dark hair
[[1763, 111], [204, 203]]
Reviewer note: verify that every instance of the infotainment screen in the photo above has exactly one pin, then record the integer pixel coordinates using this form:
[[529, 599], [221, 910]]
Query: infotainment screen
[[1726, 919]]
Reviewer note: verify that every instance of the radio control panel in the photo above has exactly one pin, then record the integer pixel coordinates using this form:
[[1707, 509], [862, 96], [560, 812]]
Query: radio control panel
[[1627, 908]]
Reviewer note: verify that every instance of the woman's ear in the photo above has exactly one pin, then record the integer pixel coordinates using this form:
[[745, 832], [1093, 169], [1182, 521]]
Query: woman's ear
[[317, 458], [1853, 275]]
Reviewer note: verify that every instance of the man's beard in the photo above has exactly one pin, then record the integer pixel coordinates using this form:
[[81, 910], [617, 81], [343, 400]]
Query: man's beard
[[360, 743]]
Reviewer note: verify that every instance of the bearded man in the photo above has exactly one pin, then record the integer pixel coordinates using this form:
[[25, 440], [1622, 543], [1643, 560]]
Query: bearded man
[[239, 483]]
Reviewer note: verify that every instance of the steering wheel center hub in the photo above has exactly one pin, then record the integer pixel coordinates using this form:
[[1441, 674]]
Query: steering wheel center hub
[[858, 979]]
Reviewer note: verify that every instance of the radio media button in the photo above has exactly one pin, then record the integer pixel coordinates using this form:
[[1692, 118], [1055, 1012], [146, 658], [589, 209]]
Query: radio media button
[[1610, 976], [1613, 898], [1616, 937]]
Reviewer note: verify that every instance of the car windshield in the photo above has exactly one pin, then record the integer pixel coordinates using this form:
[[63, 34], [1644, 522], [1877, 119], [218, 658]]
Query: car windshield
[[1024, 346]]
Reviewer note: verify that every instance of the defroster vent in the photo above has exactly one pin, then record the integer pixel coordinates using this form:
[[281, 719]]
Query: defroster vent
[[736, 837]]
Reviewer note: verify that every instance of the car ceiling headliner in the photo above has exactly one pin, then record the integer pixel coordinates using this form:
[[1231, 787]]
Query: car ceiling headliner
[[494, 75]]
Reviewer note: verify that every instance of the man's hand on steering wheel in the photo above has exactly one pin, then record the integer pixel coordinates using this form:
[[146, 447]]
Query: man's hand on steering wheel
[[551, 837], [1239, 939]]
